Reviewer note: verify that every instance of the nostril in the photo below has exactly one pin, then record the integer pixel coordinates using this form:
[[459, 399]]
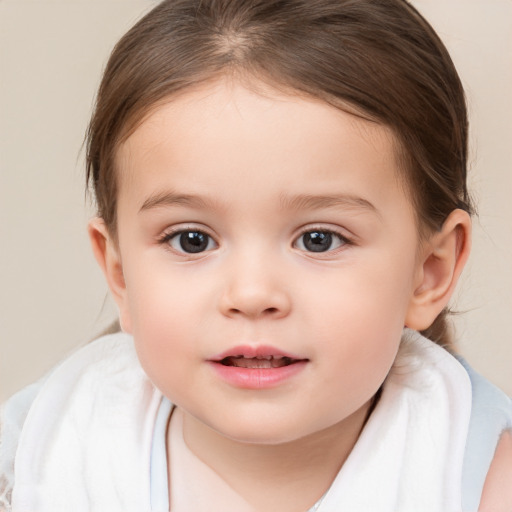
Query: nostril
[[267, 311], [254, 304]]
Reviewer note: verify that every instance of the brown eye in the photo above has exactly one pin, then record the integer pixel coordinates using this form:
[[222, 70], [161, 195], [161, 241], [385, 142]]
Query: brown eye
[[320, 241], [191, 242]]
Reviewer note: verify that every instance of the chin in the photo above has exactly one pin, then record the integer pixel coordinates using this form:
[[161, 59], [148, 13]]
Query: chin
[[274, 432]]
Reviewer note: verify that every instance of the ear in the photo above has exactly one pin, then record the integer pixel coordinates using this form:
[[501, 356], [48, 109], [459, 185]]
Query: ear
[[106, 252], [440, 266]]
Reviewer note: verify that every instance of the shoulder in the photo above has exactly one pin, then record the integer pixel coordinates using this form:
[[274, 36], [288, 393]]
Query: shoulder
[[487, 472], [497, 492]]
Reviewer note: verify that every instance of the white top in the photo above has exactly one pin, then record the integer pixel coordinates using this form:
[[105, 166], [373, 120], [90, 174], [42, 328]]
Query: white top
[[90, 432]]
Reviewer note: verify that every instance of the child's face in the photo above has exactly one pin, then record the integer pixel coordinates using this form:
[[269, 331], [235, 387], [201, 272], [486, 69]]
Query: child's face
[[271, 224]]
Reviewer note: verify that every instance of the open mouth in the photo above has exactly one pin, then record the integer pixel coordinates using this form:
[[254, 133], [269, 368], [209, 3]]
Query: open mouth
[[258, 361], [257, 367]]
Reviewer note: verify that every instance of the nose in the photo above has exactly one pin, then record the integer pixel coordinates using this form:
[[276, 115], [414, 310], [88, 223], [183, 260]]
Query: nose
[[254, 288]]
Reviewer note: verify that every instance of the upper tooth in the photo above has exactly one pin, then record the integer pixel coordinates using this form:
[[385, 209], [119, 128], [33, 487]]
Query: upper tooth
[[268, 358]]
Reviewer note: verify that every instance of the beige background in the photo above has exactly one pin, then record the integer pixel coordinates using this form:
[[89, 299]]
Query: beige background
[[52, 296]]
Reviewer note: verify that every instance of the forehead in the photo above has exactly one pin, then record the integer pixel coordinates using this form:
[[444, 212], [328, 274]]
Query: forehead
[[222, 133], [230, 99]]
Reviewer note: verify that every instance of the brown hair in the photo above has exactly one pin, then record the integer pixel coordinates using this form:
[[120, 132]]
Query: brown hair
[[378, 58]]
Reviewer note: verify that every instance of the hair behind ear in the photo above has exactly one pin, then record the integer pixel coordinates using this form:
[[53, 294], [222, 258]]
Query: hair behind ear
[[440, 331]]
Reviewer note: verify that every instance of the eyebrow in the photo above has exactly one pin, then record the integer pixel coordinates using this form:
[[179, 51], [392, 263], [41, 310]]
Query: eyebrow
[[316, 202], [296, 202], [166, 199]]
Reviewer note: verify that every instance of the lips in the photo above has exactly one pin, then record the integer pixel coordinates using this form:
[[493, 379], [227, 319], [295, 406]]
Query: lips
[[256, 367]]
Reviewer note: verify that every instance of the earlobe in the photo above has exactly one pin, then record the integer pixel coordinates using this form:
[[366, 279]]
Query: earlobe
[[441, 264], [107, 255]]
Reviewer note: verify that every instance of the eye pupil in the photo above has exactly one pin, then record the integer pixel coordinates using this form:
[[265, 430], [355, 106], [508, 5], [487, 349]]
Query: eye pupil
[[193, 241], [317, 241]]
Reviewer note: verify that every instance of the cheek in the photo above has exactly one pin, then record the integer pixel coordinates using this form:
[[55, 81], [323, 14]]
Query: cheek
[[360, 354], [359, 320], [164, 313], [366, 297], [161, 296]]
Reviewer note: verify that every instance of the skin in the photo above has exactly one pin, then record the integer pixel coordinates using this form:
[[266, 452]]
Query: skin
[[497, 492], [253, 172]]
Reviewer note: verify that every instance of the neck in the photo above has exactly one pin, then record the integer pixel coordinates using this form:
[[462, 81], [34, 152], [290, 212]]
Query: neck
[[294, 475]]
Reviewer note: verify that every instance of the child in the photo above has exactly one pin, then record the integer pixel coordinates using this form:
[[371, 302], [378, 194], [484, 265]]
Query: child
[[282, 209]]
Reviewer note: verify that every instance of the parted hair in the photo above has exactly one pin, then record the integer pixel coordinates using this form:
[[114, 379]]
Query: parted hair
[[378, 59]]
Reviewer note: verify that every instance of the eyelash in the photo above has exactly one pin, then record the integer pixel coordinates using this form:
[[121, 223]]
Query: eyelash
[[167, 237], [344, 240]]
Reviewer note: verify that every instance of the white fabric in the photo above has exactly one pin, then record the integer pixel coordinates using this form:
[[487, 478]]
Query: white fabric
[[86, 442], [159, 477], [12, 417], [410, 454]]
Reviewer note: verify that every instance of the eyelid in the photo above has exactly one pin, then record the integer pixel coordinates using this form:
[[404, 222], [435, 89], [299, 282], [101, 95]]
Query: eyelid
[[327, 228]]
